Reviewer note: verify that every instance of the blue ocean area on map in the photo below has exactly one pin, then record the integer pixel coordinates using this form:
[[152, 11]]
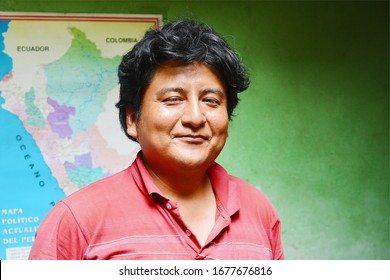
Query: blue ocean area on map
[[6, 61], [28, 188]]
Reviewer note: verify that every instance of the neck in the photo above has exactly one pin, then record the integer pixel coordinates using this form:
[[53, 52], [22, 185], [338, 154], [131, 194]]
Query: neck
[[181, 184]]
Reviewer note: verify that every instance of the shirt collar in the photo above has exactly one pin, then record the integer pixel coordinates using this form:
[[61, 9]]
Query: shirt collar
[[225, 189], [143, 179]]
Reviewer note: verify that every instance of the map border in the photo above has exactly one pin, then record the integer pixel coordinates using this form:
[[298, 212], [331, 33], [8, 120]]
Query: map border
[[157, 19]]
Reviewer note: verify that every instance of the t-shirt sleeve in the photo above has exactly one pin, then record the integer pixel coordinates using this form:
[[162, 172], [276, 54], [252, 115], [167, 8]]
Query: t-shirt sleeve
[[277, 242], [59, 237]]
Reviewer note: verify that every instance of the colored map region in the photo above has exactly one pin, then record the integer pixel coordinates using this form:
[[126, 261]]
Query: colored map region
[[60, 129]]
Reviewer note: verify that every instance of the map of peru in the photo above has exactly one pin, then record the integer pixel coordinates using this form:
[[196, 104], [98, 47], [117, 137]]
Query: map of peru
[[60, 129]]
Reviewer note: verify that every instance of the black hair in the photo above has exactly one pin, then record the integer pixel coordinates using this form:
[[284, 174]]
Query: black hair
[[182, 42]]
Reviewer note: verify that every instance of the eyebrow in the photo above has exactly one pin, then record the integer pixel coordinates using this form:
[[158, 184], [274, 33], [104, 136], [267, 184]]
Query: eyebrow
[[180, 90], [162, 91], [213, 90]]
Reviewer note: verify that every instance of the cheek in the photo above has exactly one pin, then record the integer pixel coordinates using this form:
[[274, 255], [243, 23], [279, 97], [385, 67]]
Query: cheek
[[220, 120], [219, 125], [166, 113], [157, 122], [166, 118]]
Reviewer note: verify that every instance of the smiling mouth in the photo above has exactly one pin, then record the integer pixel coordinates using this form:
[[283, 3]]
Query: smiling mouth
[[194, 139]]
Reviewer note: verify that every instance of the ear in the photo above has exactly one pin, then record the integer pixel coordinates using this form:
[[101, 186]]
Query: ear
[[131, 123]]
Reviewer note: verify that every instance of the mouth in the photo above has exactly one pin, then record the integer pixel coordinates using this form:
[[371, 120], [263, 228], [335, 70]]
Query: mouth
[[193, 138]]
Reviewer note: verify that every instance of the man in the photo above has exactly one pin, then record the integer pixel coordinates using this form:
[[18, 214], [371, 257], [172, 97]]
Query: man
[[178, 90]]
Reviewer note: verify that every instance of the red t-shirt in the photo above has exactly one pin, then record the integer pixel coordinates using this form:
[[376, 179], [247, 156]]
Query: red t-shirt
[[125, 216]]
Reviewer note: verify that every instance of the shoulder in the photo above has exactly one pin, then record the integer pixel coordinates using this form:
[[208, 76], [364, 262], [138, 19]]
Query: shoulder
[[98, 198], [247, 191], [93, 202], [102, 189], [253, 200]]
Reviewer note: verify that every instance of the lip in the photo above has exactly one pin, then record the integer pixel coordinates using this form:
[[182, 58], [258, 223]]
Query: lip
[[191, 138]]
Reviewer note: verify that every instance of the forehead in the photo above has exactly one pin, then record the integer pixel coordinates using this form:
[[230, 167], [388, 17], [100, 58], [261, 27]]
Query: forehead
[[195, 73]]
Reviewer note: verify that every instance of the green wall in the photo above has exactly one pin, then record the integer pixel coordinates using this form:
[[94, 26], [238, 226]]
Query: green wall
[[313, 129]]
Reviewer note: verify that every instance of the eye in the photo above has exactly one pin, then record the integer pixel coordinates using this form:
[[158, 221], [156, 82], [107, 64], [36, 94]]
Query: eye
[[212, 101], [172, 100]]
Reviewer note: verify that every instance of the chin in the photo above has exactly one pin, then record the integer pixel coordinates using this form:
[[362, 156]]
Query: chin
[[194, 162]]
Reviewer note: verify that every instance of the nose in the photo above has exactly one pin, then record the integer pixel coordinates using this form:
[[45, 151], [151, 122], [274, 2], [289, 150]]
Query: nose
[[193, 114]]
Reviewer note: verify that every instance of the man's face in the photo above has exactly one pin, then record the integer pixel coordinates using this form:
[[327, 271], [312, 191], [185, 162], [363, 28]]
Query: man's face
[[184, 120]]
